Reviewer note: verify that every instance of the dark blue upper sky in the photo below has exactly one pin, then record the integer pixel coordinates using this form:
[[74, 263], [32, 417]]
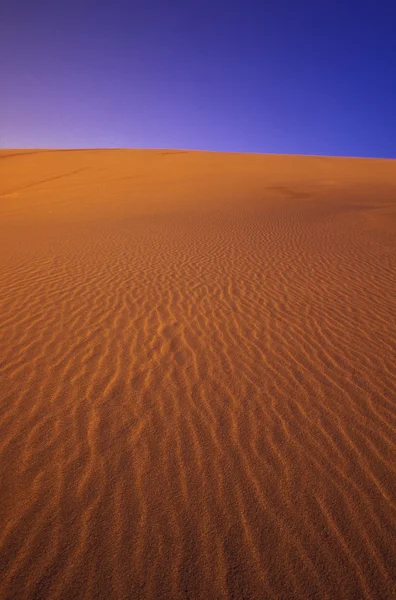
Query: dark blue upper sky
[[285, 76]]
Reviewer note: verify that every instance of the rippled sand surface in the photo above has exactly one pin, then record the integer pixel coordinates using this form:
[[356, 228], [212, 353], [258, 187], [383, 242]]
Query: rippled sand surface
[[198, 376]]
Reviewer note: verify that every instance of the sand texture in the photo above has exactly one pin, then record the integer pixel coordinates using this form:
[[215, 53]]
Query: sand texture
[[198, 376]]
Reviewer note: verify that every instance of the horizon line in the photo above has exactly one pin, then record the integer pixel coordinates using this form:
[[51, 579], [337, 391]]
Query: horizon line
[[186, 150]]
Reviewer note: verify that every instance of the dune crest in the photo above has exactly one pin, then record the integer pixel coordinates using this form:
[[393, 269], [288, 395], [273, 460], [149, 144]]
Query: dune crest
[[197, 375]]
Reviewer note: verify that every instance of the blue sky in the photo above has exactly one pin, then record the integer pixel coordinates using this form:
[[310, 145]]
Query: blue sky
[[276, 77]]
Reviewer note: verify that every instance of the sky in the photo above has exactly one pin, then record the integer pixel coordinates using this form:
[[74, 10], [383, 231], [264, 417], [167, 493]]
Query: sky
[[285, 76]]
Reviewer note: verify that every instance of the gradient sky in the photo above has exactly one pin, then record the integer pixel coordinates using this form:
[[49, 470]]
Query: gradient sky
[[284, 76]]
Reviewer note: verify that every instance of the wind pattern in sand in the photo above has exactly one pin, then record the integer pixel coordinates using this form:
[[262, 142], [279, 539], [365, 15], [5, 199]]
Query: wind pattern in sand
[[198, 382]]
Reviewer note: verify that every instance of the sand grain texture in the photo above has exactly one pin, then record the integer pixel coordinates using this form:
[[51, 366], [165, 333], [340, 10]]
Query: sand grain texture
[[198, 384]]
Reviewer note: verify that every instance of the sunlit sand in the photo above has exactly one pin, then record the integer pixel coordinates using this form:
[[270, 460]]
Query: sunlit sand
[[197, 376]]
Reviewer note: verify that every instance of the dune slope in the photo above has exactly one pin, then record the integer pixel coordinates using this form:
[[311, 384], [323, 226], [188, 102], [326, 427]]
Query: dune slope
[[197, 376]]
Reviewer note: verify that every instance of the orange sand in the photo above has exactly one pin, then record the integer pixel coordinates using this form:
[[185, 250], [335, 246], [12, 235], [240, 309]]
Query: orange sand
[[198, 376]]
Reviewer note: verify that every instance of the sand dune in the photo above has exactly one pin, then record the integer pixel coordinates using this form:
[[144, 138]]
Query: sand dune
[[198, 382]]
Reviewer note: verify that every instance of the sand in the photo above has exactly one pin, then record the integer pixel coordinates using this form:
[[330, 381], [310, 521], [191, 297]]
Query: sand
[[198, 376]]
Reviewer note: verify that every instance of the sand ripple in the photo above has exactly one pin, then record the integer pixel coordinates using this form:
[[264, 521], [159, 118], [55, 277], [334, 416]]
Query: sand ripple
[[197, 397]]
